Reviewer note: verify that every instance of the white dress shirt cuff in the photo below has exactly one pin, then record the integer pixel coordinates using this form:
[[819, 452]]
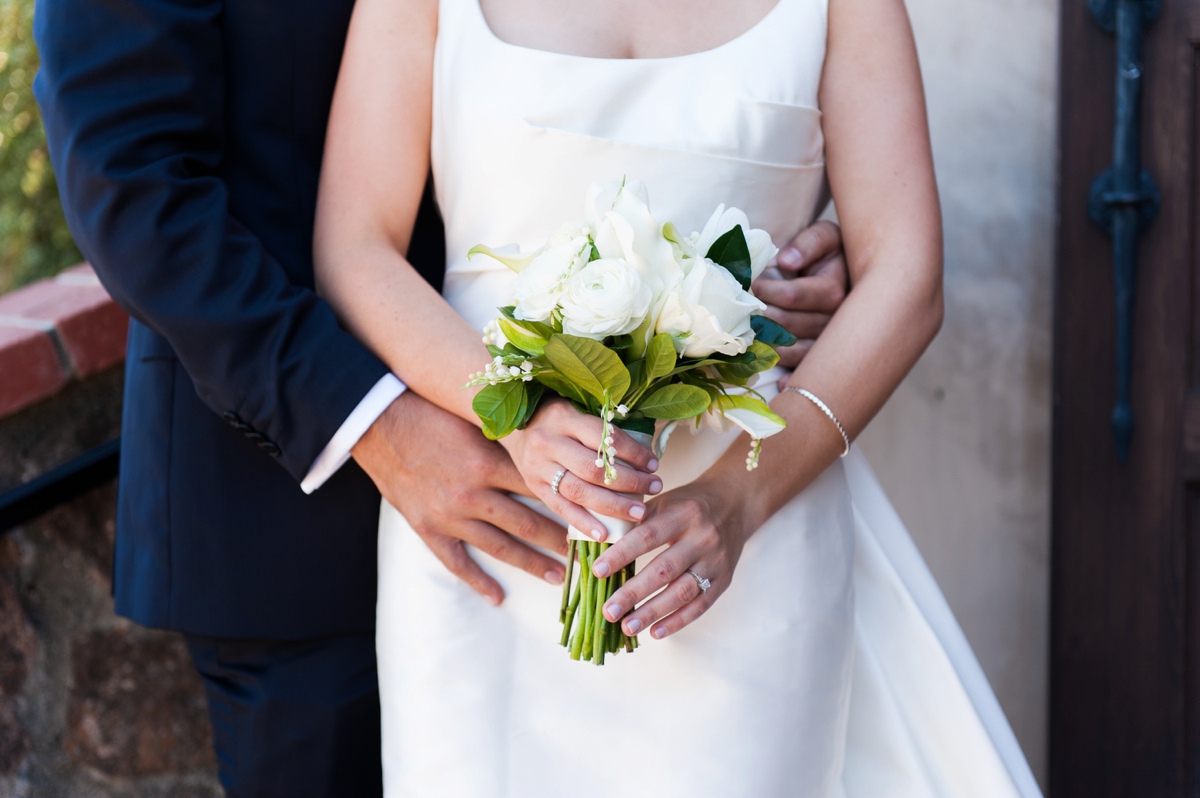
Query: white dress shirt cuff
[[337, 451]]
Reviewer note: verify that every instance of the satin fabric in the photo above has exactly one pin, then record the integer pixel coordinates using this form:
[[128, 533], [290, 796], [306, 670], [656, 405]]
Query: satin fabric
[[831, 666]]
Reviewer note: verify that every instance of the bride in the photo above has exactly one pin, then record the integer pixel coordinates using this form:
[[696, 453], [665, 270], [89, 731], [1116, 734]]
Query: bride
[[794, 642]]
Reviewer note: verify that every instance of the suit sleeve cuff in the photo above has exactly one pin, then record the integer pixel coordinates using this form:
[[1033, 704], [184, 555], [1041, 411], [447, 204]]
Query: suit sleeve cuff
[[337, 451]]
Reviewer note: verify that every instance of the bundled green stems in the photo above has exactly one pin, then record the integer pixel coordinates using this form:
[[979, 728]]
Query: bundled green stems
[[586, 632]]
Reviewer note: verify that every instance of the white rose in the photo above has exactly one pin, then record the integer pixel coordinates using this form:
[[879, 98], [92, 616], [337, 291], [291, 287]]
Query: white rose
[[622, 227], [762, 250], [606, 297], [540, 284], [710, 312]]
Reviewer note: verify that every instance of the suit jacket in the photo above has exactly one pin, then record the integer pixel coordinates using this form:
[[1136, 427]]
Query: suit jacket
[[187, 136]]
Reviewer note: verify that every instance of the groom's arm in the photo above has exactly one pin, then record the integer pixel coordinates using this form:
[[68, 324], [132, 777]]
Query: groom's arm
[[455, 487], [132, 95], [812, 284]]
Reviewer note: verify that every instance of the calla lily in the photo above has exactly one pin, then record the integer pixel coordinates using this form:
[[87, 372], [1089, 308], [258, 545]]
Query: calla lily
[[752, 415], [510, 255]]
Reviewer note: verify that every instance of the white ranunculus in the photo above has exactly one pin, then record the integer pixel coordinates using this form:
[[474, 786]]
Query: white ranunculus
[[709, 312], [762, 250], [540, 284], [621, 225], [606, 297]]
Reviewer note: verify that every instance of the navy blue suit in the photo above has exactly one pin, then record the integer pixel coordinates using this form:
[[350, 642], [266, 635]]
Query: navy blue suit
[[186, 136]]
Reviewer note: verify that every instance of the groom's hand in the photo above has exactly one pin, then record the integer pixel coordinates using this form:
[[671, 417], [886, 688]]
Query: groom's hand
[[452, 485], [812, 286]]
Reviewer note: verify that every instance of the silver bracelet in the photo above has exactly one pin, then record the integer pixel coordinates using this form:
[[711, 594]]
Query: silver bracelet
[[824, 409]]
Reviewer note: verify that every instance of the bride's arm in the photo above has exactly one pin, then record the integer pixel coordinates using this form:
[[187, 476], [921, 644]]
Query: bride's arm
[[374, 170], [881, 173]]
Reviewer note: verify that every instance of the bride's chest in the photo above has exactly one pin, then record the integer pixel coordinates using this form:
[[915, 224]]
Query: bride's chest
[[623, 29], [752, 98]]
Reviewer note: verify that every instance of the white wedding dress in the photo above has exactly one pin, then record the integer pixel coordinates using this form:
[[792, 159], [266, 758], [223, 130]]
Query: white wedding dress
[[832, 666]]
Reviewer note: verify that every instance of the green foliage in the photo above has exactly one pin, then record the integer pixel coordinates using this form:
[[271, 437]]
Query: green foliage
[[502, 408], [771, 332], [34, 240], [660, 356], [732, 252], [675, 402], [592, 366]]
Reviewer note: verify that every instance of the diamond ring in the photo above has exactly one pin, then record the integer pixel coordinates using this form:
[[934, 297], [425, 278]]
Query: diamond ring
[[562, 472], [701, 582]]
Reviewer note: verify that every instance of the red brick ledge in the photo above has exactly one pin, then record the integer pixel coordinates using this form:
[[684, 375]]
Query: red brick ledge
[[53, 331]]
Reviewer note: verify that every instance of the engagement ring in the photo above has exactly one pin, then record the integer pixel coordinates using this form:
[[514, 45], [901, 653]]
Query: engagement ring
[[701, 582], [557, 479]]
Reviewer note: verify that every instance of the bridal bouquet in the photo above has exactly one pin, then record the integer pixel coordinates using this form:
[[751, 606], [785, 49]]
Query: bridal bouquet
[[632, 322]]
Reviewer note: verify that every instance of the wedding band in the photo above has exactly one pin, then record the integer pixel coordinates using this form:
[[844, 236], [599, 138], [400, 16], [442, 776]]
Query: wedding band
[[701, 582], [562, 472]]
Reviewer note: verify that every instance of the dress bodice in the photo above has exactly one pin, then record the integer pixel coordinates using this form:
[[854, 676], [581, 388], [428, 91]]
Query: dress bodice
[[519, 134]]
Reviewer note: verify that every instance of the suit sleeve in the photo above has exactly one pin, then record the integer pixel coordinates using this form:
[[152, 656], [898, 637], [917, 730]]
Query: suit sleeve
[[132, 96]]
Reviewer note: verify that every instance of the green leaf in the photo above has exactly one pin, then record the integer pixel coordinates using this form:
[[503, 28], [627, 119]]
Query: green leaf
[[637, 376], [764, 357], [495, 351], [731, 251], [590, 365], [620, 342], [771, 332], [660, 356], [535, 391], [501, 407], [561, 386], [675, 402], [522, 337], [536, 327], [645, 425]]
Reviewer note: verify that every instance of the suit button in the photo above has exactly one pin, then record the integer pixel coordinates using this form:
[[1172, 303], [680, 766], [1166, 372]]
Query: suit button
[[254, 436], [270, 448], [231, 417]]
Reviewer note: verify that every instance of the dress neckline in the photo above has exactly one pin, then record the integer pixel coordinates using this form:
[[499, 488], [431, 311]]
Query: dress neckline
[[486, 29]]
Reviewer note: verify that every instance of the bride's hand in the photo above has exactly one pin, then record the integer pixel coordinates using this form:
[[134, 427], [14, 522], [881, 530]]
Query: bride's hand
[[706, 530], [561, 438]]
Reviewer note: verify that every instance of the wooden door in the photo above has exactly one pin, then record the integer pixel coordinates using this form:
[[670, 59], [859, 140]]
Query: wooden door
[[1125, 649]]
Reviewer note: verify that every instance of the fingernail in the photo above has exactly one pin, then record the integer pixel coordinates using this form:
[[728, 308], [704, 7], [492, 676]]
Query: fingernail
[[791, 257], [554, 577], [656, 486], [600, 569], [600, 534], [633, 626], [614, 611], [636, 512], [495, 602], [653, 464], [659, 633]]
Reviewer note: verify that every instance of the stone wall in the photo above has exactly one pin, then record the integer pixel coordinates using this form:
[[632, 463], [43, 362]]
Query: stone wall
[[963, 448], [91, 705]]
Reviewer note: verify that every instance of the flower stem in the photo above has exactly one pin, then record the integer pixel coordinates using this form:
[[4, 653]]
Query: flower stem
[[589, 606], [585, 593], [566, 596], [599, 641], [569, 616]]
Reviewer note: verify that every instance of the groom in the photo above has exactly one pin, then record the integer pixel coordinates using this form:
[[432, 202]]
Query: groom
[[258, 435]]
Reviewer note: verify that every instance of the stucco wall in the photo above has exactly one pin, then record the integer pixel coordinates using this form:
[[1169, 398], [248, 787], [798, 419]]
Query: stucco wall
[[963, 447]]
